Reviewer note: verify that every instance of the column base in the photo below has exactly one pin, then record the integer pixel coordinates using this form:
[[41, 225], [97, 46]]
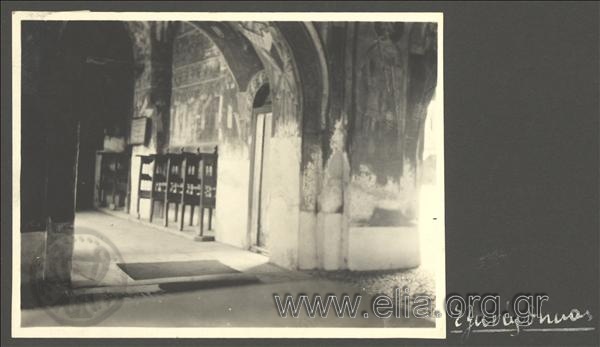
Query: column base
[[204, 238]]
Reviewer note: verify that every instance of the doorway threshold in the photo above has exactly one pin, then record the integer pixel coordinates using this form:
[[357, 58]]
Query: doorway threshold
[[259, 250]]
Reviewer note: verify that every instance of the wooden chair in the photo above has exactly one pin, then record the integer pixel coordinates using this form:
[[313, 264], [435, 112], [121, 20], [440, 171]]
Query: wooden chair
[[173, 185], [114, 179], [189, 183], [157, 179], [207, 194], [200, 172], [145, 161]]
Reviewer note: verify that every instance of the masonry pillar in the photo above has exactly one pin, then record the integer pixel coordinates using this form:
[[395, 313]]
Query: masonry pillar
[[334, 240], [61, 144], [152, 51], [161, 39]]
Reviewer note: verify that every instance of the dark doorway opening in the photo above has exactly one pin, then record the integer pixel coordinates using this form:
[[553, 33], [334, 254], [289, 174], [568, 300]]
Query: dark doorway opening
[[99, 59]]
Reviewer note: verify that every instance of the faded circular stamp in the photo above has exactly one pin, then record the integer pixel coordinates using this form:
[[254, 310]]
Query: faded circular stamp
[[87, 298]]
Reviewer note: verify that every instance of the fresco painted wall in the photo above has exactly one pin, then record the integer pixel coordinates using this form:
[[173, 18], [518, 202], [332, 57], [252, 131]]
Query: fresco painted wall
[[367, 172], [395, 79], [204, 109], [209, 110]]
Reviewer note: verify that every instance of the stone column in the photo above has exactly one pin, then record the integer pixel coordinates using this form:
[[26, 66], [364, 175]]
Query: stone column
[[60, 189]]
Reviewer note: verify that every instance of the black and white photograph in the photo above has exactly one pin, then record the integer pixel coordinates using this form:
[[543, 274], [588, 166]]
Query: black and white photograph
[[390, 173], [231, 173]]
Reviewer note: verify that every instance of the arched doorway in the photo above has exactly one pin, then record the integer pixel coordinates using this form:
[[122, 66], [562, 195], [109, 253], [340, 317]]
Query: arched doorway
[[262, 114]]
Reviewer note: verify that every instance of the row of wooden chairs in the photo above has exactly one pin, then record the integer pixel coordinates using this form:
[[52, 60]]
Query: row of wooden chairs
[[184, 179]]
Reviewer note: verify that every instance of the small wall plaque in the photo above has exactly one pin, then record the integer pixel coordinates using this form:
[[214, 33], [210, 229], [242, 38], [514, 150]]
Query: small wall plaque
[[139, 129]]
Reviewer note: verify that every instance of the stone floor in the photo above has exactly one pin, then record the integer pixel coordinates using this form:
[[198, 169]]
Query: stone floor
[[185, 303], [137, 242], [417, 280]]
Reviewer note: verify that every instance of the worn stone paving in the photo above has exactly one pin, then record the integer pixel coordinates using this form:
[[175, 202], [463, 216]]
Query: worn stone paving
[[417, 280]]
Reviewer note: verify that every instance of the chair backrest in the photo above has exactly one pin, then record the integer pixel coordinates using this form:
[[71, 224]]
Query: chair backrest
[[190, 173], [210, 177]]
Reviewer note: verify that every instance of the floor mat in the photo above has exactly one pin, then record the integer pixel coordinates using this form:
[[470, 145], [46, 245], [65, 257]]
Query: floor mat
[[146, 271]]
